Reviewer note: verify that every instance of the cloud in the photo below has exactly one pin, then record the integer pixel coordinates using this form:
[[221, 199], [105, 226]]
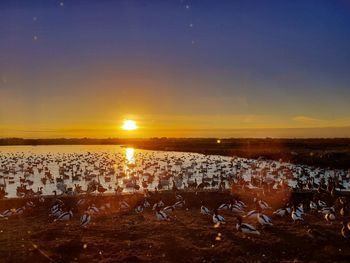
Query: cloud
[[310, 122], [306, 119]]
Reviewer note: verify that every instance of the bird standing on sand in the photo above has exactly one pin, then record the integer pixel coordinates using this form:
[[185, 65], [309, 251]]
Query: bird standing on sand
[[218, 219], [330, 217], [85, 219], [245, 228], [66, 216], [297, 217], [345, 231], [204, 209], [161, 215], [264, 220]]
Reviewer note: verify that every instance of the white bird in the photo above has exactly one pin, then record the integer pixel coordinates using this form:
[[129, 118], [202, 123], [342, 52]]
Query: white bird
[[236, 209], [327, 210], [139, 209], [204, 209], [224, 206], [313, 205], [161, 215], [252, 214], [179, 204], [263, 205], [300, 209], [7, 213], [169, 209], [321, 203], [20, 211], [158, 204], [330, 217], [218, 219], [281, 212], [85, 219], [296, 216], [66, 216], [264, 220], [246, 228], [146, 204], [93, 210]]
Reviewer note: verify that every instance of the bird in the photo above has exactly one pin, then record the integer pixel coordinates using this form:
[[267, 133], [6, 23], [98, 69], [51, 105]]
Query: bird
[[264, 220], [321, 203], [282, 212], [169, 209], [8, 213], [330, 217], [224, 206], [313, 206], [139, 209], [218, 219], [20, 211], [263, 205], [85, 219], [252, 214], [344, 211], [204, 209], [300, 209], [296, 216], [93, 210], [66, 216], [179, 204], [161, 215], [345, 231], [245, 228], [158, 204], [146, 204], [236, 208], [327, 210], [2, 217]]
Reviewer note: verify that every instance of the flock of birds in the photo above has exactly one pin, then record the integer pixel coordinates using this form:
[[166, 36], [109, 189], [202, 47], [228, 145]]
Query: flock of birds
[[94, 173], [262, 213], [45, 171]]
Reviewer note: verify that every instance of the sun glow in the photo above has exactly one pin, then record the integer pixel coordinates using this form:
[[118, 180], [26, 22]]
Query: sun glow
[[129, 125]]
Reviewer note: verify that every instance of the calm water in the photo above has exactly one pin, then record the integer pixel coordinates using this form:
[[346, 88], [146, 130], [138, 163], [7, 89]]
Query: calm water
[[114, 166]]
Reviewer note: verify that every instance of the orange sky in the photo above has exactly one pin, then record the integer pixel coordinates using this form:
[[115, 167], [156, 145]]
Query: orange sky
[[179, 70]]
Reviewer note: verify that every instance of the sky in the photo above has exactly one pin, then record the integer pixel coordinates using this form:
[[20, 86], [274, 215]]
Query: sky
[[181, 68]]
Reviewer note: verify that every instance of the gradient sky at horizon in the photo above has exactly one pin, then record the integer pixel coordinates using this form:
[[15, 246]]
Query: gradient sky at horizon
[[200, 68]]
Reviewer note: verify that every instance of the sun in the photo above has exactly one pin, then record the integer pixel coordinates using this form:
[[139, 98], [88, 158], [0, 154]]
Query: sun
[[129, 125]]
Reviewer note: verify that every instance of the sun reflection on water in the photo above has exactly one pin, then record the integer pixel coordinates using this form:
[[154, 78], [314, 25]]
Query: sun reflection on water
[[129, 154]]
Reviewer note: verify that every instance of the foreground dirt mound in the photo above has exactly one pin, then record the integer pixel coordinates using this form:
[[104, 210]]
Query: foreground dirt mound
[[188, 237]]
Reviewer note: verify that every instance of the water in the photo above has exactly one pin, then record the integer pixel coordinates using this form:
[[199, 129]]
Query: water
[[114, 166]]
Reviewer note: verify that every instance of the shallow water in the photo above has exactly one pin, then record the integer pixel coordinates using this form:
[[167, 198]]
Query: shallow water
[[118, 164]]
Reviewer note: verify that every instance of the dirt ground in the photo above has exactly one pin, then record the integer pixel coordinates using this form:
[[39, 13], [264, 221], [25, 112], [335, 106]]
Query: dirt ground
[[188, 237]]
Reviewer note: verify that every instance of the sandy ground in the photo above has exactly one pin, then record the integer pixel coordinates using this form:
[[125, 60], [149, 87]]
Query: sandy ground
[[188, 237]]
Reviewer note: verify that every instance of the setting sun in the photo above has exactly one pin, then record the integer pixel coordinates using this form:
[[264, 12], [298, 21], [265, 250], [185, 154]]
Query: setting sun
[[129, 125]]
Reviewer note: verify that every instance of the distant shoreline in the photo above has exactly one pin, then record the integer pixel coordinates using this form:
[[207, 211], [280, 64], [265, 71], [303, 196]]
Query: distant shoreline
[[334, 153]]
